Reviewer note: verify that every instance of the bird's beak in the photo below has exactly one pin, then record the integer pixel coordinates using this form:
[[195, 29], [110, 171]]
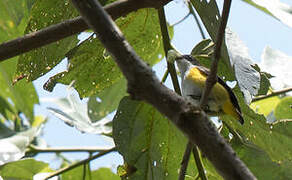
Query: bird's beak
[[173, 55]]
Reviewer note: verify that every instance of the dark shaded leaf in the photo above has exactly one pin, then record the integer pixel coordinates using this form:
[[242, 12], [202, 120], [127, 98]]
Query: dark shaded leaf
[[148, 142]]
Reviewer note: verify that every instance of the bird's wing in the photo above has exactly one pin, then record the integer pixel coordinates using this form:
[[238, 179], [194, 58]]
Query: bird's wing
[[220, 81]]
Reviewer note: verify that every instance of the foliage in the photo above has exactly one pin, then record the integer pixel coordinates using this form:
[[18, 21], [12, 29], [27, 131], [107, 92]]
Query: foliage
[[152, 148]]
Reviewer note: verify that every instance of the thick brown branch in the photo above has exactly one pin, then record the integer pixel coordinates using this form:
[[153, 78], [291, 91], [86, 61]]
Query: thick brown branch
[[143, 84], [70, 27]]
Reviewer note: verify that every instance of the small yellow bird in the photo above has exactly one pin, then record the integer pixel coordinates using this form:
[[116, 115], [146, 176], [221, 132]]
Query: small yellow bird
[[221, 99]]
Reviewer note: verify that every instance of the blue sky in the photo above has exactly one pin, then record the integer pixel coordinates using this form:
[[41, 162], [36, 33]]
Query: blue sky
[[255, 28]]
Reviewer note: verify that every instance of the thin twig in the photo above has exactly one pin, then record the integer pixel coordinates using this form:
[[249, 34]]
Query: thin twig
[[185, 161], [167, 47], [36, 149], [180, 21], [165, 75], [274, 93], [196, 19], [144, 85], [72, 166], [69, 27], [199, 163], [212, 77]]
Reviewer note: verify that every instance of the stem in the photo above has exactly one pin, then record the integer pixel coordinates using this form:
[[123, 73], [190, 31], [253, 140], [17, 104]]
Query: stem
[[184, 18], [199, 163], [212, 77], [167, 47], [72, 166], [36, 149], [196, 19], [274, 93], [165, 76], [185, 161]]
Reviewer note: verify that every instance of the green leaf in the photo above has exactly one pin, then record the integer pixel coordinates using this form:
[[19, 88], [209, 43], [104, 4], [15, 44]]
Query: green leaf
[[148, 142], [104, 174], [265, 106], [284, 109], [257, 131], [106, 101], [22, 95], [141, 29], [259, 162], [4, 108], [39, 61], [79, 173], [276, 9], [13, 17], [23, 169]]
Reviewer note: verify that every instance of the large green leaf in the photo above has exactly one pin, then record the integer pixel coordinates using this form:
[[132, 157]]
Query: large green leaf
[[21, 97], [265, 106], [91, 67], [257, 131], [23, 169], [100, 174], [148, 142], [39, 61], [106, 101], [13, 17], [275, 8], [284, 109]]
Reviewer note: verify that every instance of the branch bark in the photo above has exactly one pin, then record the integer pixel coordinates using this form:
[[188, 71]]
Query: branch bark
[[143, 84], [70, 27], [274, 93]]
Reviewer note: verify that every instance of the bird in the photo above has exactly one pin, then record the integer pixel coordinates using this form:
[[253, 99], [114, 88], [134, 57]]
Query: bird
[[221, 99]]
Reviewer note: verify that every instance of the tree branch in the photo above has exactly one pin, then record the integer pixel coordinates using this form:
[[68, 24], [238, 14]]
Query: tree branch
[[212, 77], [70, 27], [72, 166], [143, 84], [167, 47], [35, 149], [274, 93], [185, 161]]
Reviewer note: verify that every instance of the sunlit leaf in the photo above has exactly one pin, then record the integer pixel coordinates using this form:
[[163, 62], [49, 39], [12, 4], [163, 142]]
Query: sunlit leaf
[[39, 61], [279, 65], [13, 148], [284, 109], [265, 106], [142, 31], [74, 113], [23, 169]]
